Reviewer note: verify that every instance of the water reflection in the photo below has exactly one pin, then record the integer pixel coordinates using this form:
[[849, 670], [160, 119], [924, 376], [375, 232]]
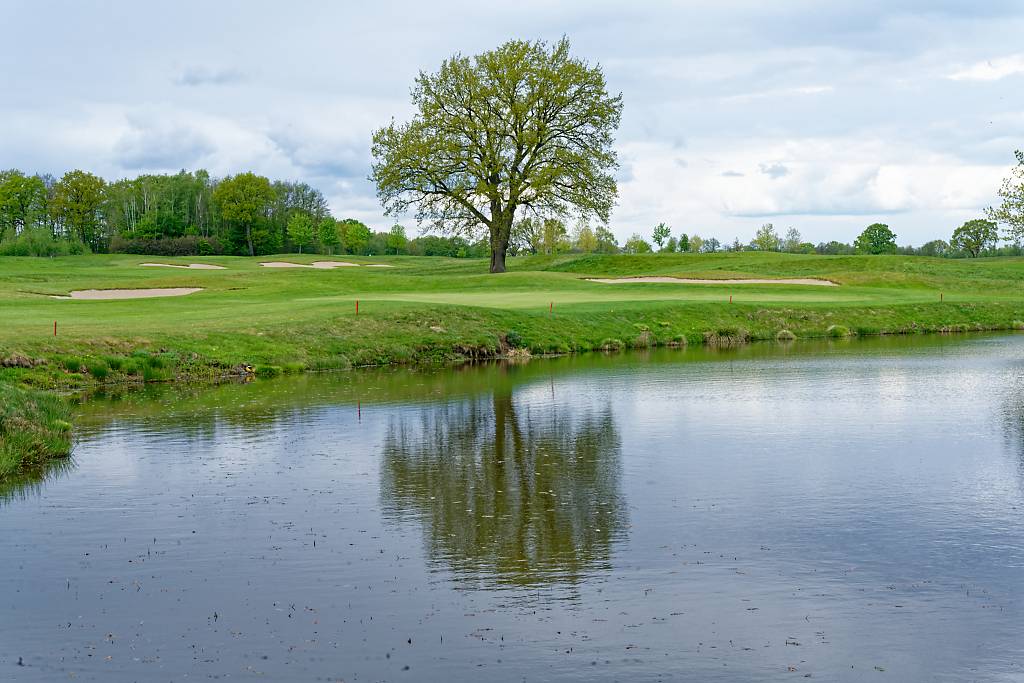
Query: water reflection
[[509, 493], [30, 481]]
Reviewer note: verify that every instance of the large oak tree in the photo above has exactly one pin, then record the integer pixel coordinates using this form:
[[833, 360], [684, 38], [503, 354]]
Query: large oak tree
[[525, 127]]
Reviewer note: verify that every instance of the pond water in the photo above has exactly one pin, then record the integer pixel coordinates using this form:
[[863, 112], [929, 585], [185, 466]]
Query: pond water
[[846, 511]]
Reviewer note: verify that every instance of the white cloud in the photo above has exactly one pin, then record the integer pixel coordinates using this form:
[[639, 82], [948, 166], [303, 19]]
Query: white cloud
[[991, 70]]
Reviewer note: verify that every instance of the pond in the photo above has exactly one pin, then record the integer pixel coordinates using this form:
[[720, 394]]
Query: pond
[[847, 511]]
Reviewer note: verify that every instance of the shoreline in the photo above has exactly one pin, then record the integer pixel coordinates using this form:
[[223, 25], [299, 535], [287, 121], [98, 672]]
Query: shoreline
[[44, 380]]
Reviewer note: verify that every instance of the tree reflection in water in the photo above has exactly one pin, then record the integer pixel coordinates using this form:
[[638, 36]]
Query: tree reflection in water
[[508, 494]]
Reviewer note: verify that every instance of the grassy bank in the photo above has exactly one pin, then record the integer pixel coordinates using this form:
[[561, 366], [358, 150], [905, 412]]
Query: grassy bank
[[34, 428], [253, 319]]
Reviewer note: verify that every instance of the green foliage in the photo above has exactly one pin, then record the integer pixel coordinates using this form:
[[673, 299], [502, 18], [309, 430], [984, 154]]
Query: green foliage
[[525, 125], [40, 242], [696, 243], [684, 242], [328, 235], [975, 236], [934, 248], [606, 242], [1010, 213], [301, 230], [77, 207], [244, 202], [355, 236], [766, 238], [661, 233], [877, 238], [23, 202], [637, 245], [396, 241]]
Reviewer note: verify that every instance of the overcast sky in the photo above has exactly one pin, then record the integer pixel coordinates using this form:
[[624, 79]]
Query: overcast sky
[[823, 116]]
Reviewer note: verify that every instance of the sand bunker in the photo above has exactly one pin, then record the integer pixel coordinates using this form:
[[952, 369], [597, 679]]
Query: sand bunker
[[194, 266], [105, 294], [327, 265], [696, 281]]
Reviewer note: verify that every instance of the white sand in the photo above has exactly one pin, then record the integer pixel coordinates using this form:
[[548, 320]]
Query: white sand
[[334, 264], [695, 281], [194, 266], [104, 294], [324, 265]]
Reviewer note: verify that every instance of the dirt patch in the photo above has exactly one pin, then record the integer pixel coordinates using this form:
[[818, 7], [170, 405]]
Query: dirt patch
[[709, 281], [323, 265], [108, 294], [193, 266]]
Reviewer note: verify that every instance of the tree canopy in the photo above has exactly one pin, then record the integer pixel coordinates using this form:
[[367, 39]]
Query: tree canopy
[[877, 238], [975, 236], [525, 126], [1011, 212]]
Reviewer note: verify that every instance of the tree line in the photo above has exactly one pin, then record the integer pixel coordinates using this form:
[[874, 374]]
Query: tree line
[[190, 213]]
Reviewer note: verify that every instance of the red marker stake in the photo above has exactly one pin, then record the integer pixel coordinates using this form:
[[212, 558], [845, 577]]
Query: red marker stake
[[54, 328], [357, 306], [730, 298], [551, 308]]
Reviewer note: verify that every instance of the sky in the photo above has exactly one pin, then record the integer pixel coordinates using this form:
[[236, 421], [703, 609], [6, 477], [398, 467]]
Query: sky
[[821, 116]]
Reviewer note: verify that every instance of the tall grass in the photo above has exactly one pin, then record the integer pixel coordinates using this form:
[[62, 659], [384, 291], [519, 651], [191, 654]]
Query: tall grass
[[34, 428]]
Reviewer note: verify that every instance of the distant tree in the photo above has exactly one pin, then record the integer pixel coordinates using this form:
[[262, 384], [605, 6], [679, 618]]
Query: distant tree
[[661, 233], [934, 248], [77, 207], [397, 240], [523, 126], [301, 230], [711, 245], [975, 236], [684, 242], [672, 244], [877, 238], [606, 242], [835, 248], [736, 244], [766, 238], [245, 201], [555, 236], [23, 201], [327, 234], [527, 236], [792, 241], [355, 236], [637, 245], [696, 243], [584, 239], [1011, 212]]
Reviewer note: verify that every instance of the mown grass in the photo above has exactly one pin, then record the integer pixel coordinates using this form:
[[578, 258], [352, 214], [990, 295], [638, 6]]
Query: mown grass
[[255, 320]]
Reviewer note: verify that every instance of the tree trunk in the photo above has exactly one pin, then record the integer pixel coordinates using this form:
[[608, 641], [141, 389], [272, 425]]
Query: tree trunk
[[498, 257], [501, 232], [248, 240]]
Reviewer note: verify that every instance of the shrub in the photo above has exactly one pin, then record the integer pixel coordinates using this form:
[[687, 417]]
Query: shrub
[[785, 335], [40, 242], [189, 245], [72, 363], [98, 369], [514, 339], [114, 362], [837, 331]]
